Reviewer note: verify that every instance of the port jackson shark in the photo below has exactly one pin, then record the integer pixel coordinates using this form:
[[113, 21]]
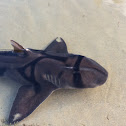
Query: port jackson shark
[[41, 72]]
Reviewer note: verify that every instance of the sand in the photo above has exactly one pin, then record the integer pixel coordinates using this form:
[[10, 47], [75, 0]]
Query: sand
[[96, 29]]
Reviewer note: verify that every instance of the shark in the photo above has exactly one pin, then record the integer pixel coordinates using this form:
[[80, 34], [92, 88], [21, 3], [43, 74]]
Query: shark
[[41, 72]]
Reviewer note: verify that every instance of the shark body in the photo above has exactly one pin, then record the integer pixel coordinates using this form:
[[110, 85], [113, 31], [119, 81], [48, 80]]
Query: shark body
[[43, 71]]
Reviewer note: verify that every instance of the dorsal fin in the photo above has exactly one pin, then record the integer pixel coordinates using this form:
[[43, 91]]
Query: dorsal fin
[[17, 47], [58, 45]]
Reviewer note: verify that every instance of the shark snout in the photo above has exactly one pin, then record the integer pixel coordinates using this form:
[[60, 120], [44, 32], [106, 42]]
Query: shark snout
[[101, 73], [101, 76], [93, 74]]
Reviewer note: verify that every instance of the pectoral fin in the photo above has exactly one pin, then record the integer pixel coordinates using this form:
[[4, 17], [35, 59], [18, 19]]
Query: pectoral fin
[[57, 46], [27, 100]]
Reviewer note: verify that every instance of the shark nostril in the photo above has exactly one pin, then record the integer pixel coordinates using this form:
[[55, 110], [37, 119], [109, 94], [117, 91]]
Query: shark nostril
[[102, 78]]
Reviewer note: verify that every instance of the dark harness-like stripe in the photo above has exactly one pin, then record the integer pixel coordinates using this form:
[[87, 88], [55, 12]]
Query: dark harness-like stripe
[[59, 58], [32, 65], [32, 76], [77, 63], [77, 80]]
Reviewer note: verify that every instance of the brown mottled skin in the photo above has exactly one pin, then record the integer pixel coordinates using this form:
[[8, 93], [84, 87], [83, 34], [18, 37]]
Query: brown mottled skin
[[43, 71]]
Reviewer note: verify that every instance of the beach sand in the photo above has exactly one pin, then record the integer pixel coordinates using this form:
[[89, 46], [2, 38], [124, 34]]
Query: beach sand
[[96, 29]]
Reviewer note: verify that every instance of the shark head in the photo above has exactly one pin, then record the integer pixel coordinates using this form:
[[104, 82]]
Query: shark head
[[82, 72], [90, 74]]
